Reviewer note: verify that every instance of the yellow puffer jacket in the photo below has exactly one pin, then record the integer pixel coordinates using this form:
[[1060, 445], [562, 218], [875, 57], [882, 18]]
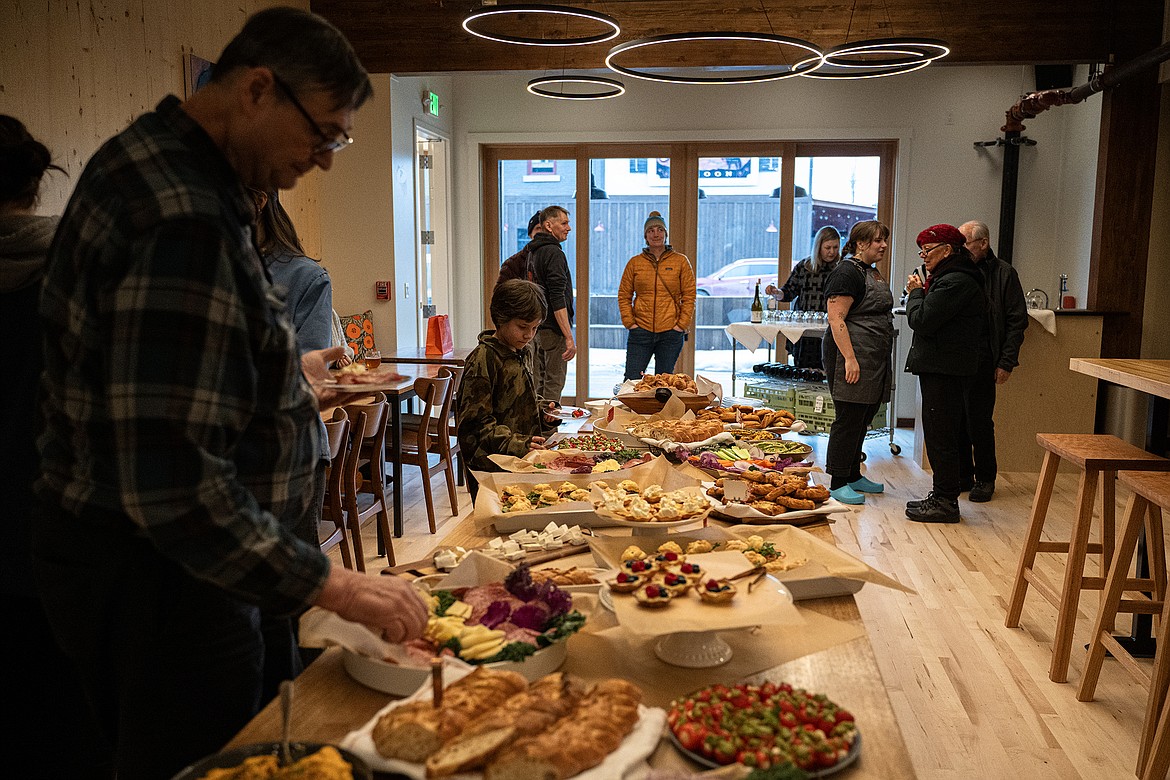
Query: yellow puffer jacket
[[657, 295]]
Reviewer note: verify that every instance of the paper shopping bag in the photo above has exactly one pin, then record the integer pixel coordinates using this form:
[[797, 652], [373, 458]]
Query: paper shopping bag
[[439, 341]]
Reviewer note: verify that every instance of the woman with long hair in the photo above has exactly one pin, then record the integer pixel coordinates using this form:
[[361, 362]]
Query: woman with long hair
[[806, 286], [32, 651], [857, 350]]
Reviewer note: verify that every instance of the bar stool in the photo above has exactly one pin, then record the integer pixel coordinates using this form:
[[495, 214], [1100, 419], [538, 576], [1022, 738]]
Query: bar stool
[[1151, 492], [1096, 455]]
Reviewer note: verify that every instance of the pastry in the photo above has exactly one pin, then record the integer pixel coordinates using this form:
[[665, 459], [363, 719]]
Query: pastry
[[627, 583], [653, 596], [716, 591]]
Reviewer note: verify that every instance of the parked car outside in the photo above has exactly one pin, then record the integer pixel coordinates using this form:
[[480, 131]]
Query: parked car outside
[[739, 278]]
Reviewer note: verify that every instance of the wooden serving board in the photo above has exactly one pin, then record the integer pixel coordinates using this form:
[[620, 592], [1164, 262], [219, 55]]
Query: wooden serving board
[[425, 566]]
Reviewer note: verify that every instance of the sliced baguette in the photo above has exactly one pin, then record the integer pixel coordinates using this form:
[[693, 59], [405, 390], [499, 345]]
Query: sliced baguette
[[468, 752]]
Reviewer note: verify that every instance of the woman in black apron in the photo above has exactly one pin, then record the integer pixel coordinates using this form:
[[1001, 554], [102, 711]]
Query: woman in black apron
[[856, 350]]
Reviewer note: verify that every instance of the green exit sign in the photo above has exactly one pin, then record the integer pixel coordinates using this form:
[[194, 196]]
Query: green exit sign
[[431, 102]]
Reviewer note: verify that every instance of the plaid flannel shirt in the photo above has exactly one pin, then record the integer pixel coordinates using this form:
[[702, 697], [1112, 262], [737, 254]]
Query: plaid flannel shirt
[[173, 395]]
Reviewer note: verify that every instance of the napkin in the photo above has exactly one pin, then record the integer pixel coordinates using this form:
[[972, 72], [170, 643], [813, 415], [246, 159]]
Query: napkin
[[1045, 317]]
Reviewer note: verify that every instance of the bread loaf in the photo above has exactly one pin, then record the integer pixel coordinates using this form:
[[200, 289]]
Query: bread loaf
[[414, 731], [579, 741], [544, 703]]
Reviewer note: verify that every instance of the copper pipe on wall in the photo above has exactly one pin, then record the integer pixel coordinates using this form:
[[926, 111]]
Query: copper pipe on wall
[[1031, 105]]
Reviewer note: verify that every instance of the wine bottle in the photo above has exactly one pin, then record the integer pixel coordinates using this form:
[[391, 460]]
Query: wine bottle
[[757, 307]]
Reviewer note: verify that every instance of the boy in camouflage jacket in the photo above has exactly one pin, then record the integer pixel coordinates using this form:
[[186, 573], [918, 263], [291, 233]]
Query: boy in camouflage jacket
[[498, 412]]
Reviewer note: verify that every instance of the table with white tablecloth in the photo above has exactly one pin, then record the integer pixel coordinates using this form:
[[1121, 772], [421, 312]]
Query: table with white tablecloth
[[752, 334]]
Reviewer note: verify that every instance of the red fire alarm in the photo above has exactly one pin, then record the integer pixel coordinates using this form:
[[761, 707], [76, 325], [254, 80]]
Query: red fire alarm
[[382, 291]]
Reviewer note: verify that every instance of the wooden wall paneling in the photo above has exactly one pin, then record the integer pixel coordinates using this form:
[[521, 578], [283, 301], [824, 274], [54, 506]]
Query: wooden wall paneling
[[490, 165], [787, 208], [1126, 166], [78, 73]]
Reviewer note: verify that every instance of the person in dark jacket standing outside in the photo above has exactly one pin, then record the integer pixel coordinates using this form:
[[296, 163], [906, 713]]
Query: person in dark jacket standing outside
[[1007, 319], [554, 345], [517, 266], [948, 314]]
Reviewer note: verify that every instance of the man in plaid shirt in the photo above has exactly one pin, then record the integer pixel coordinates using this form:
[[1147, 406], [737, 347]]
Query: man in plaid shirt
[[181, 436]]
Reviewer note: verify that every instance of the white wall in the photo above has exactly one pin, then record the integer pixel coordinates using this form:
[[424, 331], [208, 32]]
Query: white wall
[[936, 114], [357, 216], [405, 109], [368, 209]]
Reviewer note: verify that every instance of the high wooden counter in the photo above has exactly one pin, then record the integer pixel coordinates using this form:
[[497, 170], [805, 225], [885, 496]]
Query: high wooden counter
[[329, 703]]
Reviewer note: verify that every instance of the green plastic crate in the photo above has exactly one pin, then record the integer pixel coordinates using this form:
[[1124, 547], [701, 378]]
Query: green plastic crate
[[814, 400], [774, 395]]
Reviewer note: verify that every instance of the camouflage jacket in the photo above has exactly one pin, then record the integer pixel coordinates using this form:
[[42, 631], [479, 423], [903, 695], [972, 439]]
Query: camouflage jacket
[[497, 404]]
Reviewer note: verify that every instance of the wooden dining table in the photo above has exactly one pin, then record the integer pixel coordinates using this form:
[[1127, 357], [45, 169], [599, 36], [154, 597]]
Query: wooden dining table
[[397, 393], [456, 357], [330, 704]]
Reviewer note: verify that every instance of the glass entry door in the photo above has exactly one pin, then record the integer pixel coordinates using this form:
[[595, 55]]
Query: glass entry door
[[734, 209]]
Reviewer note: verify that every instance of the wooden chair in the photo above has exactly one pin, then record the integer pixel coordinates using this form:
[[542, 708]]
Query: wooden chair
[[443, 430], [1098, 456], [1151, 493], [365, 497], [415, 447], [337, 432]]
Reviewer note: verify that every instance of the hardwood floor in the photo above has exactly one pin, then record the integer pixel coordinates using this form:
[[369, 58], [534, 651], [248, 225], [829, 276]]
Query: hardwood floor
[[973, 698]]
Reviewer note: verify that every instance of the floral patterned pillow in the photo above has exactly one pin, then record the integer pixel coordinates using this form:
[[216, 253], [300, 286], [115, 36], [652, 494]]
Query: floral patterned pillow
[[359, 333]]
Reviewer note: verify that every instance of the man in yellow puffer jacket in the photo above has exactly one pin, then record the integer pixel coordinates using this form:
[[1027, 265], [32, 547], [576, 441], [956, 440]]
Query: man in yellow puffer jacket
[[657, 301]]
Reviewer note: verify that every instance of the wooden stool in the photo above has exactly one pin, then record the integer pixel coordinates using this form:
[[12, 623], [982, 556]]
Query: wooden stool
[[1095, 455], [1151, 492]]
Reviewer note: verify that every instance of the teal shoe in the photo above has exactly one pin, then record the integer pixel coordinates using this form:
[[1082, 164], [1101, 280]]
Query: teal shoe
[[847, 495], [864, 485]]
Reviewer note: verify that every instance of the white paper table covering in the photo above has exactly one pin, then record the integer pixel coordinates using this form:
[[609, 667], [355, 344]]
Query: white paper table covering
[[751, 334]]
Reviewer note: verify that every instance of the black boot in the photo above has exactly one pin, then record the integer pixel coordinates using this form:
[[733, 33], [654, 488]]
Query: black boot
[[935, 509], [919, 501], [982, 491]]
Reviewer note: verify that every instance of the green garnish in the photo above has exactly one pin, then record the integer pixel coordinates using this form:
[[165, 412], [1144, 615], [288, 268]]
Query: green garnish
[[445, 598]]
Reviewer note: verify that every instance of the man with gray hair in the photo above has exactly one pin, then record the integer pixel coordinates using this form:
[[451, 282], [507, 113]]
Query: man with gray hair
[[1007, 320], [181, 434]]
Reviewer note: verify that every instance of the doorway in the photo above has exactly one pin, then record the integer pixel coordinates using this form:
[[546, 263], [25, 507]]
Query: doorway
[[432, 228]]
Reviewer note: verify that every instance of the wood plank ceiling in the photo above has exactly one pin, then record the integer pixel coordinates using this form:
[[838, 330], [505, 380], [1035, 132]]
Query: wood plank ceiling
[[425, 36]]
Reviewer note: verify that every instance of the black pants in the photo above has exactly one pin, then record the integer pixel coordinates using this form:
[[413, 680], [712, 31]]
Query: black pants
[[173, 666], [945, 400], [977, 436], [846, 435]]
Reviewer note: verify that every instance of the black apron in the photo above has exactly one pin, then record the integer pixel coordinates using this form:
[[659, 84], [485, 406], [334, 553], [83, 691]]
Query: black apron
[[870, 324]]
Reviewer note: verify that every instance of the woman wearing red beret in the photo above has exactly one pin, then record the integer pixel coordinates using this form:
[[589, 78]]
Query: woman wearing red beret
[[948, 314]]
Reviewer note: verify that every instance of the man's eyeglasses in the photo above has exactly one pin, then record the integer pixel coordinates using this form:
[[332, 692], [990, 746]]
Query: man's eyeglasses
[[926, 250], [329, 143]]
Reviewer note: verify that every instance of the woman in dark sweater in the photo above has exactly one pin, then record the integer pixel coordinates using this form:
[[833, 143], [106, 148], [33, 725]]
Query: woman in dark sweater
[[948, 314]]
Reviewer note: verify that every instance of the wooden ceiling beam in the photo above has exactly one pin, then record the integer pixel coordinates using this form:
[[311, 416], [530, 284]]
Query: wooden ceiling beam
[[424, 36]]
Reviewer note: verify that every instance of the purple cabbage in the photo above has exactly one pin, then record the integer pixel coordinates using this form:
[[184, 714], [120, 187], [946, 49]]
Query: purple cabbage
[[709, 460], [519, 583], [497, 612], [533, 616]]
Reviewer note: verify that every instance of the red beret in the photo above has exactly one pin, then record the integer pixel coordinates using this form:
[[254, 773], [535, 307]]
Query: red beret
[[941, 234]]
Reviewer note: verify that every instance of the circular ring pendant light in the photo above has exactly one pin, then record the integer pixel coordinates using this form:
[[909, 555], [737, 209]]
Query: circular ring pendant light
[[781, 72], [886, 53], [610, 88], [869, 71], [548, 11]]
